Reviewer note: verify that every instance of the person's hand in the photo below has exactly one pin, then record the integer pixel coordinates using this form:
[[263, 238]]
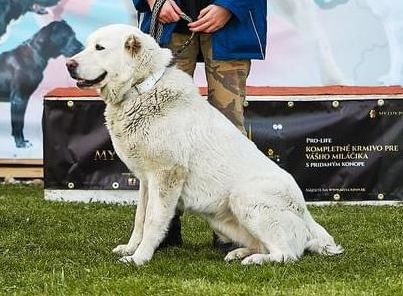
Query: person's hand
[[169, 13], [211, 19]]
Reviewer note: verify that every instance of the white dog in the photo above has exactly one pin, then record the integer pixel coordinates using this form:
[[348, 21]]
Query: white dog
[[187, 154]]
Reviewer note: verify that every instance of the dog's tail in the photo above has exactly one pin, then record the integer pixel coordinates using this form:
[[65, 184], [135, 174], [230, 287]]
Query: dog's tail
[[321, 241]]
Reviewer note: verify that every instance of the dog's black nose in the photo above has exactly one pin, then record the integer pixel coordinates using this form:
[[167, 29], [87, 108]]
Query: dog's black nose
[[71, 65]]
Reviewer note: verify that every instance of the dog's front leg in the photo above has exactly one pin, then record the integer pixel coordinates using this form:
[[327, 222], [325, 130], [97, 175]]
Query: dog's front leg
[[18, 107], [164, 189], [137, 234]]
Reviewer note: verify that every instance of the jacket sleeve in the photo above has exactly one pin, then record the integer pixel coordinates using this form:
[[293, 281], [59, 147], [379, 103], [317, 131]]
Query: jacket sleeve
[[239, 8], [141, 5]]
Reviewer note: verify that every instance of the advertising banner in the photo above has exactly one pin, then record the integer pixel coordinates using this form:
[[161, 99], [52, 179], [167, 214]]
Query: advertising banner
[[338, 147], [79, 152]]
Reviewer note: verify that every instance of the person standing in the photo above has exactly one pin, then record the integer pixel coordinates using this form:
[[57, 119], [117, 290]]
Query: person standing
[[228, 35]]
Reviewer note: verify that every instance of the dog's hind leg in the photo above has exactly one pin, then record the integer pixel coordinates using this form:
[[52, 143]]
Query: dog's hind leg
[[277, 239], [164, 189], [264, 214], [321, 241], [228, 226], [137, 234]]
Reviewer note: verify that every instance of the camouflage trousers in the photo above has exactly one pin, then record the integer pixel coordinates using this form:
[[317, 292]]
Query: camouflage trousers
[[226, 80]]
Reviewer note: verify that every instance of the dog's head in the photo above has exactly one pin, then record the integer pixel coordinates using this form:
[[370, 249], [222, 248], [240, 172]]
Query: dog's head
[[117, 57], [55, 39]]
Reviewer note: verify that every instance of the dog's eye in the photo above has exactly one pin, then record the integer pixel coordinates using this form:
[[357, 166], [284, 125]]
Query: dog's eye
[[99, 47]]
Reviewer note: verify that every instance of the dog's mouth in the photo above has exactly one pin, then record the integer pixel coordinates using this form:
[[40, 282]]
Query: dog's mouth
[[84, 83]]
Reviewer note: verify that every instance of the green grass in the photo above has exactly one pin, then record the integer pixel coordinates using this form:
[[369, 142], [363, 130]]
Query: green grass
[[57, 248]]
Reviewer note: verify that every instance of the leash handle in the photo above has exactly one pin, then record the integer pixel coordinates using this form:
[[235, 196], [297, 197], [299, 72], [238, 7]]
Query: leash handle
[[156, 27]]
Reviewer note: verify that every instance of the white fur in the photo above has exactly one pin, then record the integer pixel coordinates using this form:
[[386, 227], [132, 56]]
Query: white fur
[[187, 154]]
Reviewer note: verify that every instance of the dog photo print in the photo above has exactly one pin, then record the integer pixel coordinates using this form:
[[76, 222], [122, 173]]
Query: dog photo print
[[36, 37]]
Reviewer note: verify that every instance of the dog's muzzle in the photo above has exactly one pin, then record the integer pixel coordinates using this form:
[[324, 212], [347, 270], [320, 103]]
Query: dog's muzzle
[[72, 66]]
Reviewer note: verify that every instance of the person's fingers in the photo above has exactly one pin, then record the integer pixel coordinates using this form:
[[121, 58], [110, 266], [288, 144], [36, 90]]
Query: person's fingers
[[168, 14], [198, 23], [200, 27], [212, 28], [173, 16], [151, 3], [175, 7], [211, 19], [204, 11], [162, 20]]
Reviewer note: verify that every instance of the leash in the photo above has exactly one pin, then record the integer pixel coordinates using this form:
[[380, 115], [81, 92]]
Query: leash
[[156, 27]]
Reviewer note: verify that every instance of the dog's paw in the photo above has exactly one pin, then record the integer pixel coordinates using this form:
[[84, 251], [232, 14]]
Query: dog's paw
[[259, 259], [23, 143], [237, 254], [124, 250], [255, 259], [136, 260], [331, 250]]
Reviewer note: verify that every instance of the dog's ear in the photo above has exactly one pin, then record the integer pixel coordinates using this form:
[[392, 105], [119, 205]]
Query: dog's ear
[[132, 45]]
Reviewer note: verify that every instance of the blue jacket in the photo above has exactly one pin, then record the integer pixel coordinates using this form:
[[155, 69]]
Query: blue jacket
[[243, 37]]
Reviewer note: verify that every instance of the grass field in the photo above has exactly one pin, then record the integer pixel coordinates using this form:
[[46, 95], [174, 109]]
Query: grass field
[[57, 248]]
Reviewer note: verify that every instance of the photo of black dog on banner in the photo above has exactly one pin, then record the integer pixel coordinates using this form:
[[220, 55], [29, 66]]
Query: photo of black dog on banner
[[23, 67], [11, 10]]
